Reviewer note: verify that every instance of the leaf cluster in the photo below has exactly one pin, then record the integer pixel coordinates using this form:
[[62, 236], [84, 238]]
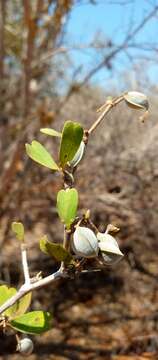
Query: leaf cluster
[[17, 317], [70, 140]]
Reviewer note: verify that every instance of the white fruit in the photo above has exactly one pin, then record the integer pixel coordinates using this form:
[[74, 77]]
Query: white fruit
[[109, 248], [136, 100], [78, 156], [25, 346], [85, 243]]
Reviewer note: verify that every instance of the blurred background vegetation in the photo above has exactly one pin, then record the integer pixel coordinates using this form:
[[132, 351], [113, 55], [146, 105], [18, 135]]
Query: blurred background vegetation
[[59, 60]]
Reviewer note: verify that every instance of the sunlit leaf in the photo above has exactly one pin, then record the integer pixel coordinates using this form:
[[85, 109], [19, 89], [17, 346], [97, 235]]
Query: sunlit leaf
[[72, 135], [20, 307], [51, 132], [18, 229], [67, 202], [5, 294], [34, 322], [23, 304], [38, 153], [55, 250]]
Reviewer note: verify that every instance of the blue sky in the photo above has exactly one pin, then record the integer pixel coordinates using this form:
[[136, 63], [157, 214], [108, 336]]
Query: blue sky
[[111, 20]]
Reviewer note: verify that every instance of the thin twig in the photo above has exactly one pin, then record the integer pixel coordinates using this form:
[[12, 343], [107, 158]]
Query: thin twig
[[66, 244], [31, 26], [67, 235], [25, 264], [90, 270], [108, 106], [2, 47]]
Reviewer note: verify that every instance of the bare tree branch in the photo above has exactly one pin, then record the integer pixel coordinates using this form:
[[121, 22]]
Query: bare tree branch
[[2, 48]]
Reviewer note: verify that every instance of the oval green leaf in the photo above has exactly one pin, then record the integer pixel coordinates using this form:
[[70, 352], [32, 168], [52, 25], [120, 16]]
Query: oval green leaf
[[72, 135], [34, 322], [18, 229], [38, 153], [67, 202], [20, 307], [55, 250], [51, 132], [5, 294]]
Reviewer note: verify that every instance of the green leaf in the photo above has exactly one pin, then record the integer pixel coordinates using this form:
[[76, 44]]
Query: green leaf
[[5, 294], [55, 250], [23, 304], [38, 153], [67, 202], [50, 132], [18, 229], [34, 322], [72, 135], [19, 307]]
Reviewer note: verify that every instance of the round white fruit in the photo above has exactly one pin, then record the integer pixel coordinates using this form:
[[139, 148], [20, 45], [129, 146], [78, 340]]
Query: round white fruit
[[79, 155], [136, 100], [25, 346], [111, 254], [85, 243]]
